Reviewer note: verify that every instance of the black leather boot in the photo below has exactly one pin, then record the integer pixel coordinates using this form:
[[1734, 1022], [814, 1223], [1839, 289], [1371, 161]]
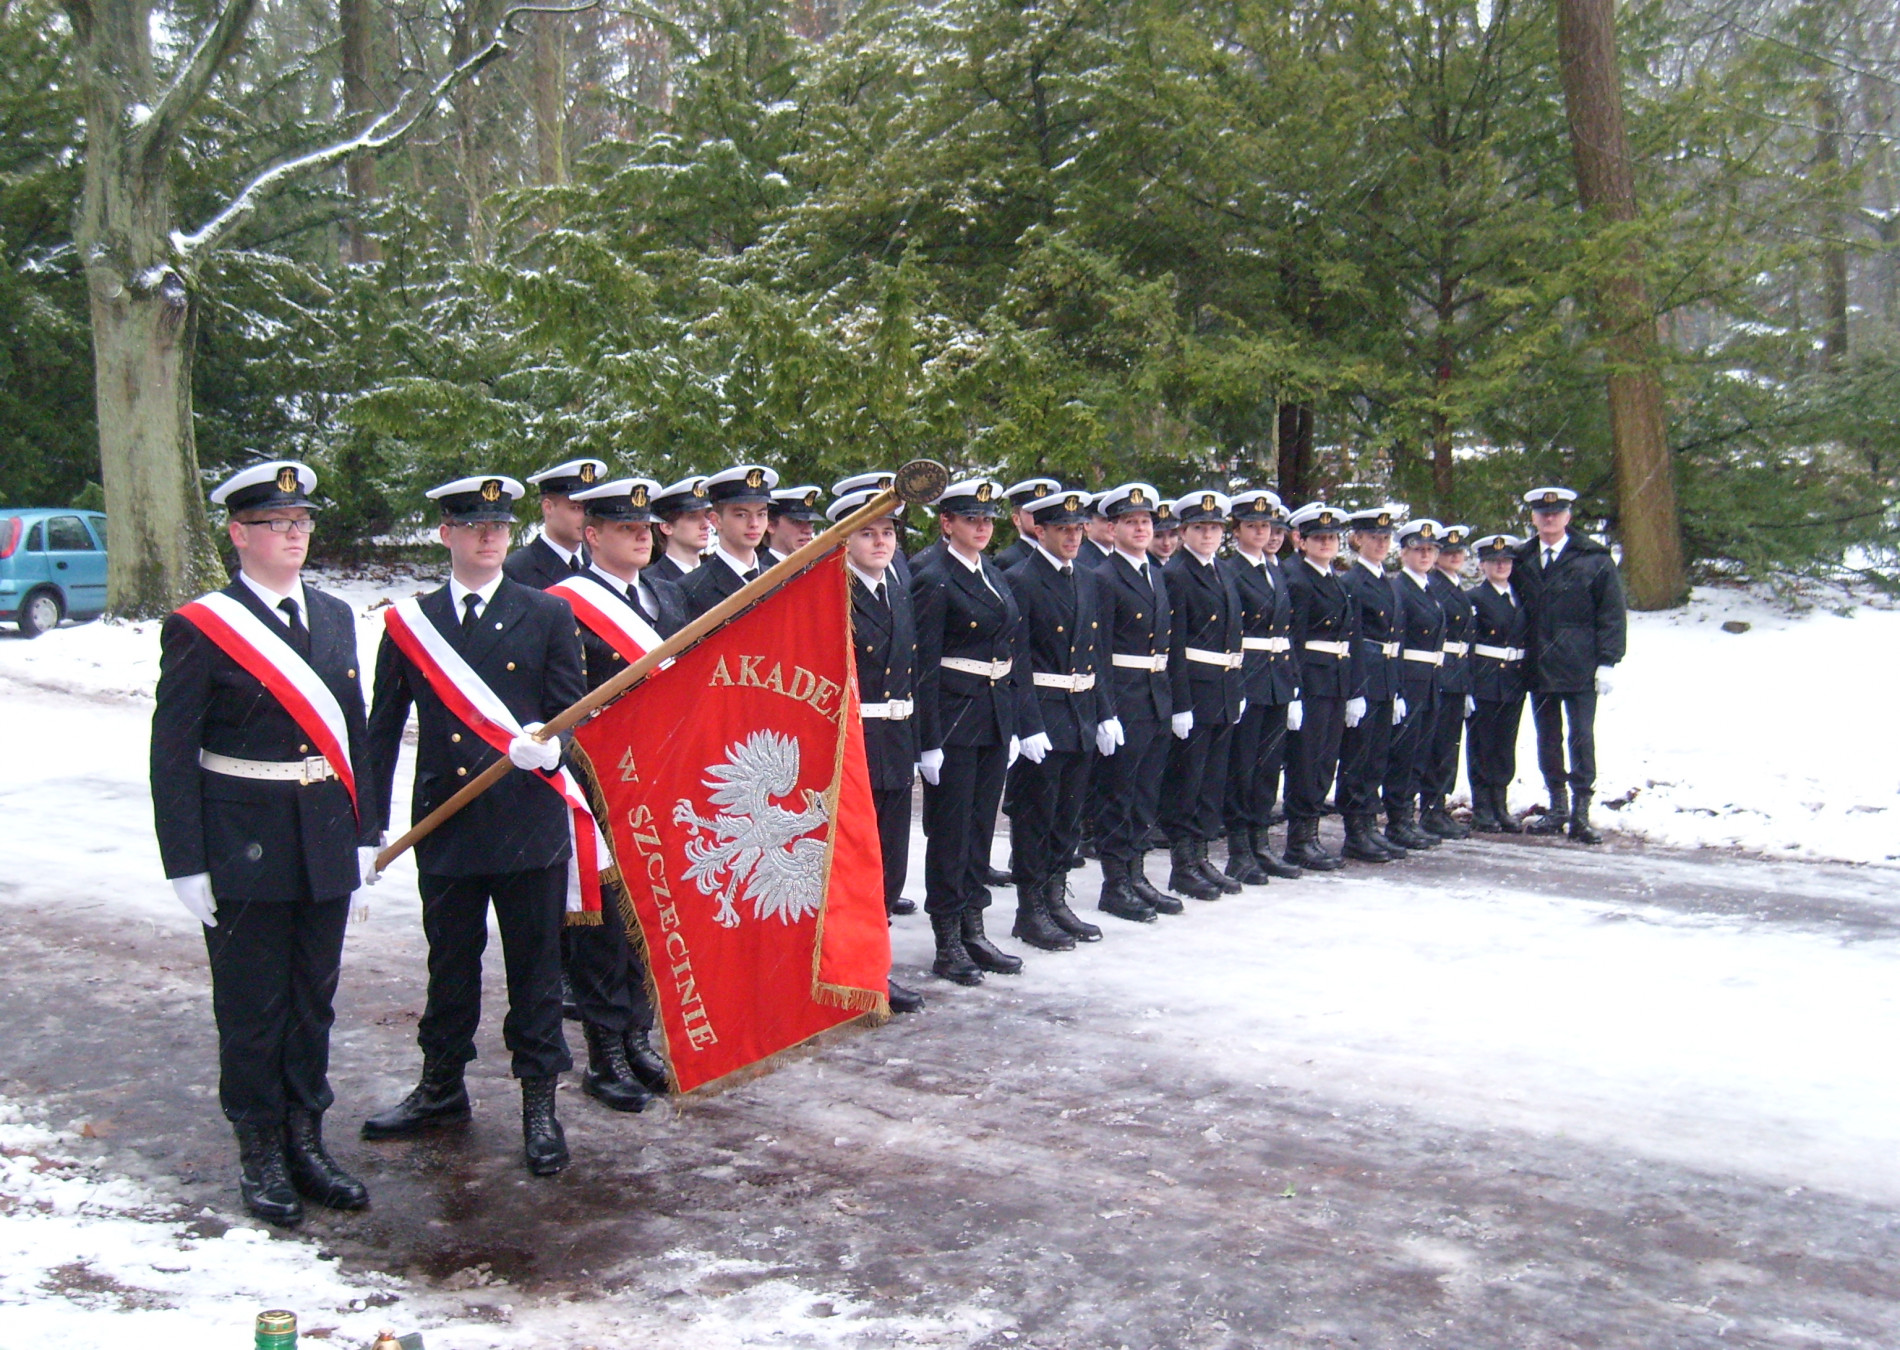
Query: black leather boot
[[987, 955], [904, 1000], [1360, 846], [264, 1176], [544, 1142], [1484, 812], [953, 962], [901, 906], [996, 876], [1184, 877], [1436, 820], [1270, 862], [1033, 924], [1242, 867], [1581, 829], [1226, 884], [1055, 901], [1150, 894], [610, 1079], [1402, 828], [1304, 849], [1118, 897], [1500, 803], [314, 1173], [1557, 819], [441, 1098], [646, 1063]]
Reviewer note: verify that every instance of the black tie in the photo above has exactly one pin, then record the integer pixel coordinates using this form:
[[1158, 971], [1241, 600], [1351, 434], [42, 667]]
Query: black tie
[[1550, 556], [755, 573], [574, 563], [883, 600], [299, 635], [469, 603]]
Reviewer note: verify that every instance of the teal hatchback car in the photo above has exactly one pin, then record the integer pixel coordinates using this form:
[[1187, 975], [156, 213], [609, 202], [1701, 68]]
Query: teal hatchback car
[[52, 566]]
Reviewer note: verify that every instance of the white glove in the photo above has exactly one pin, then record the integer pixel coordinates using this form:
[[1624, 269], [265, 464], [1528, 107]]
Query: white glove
[[1471, 705], [1036, 747], [1243, 709], [194, 893], [525, 752], [1109, 736], [1603, 680], [931, 766], [1295, 714], [1015, 750], [1398, 711], [366, 864], [1355, 711], [1183, 724]]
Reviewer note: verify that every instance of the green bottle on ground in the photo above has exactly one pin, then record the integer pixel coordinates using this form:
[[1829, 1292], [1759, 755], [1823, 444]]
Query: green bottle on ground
[[277, 1330]]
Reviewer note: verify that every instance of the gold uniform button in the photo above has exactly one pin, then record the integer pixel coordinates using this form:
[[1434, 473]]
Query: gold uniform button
[[460, 772], [350, 673], [972, 623], [303, 749], [511, 665], [1058, 628], [455, 736], [1137, 614]]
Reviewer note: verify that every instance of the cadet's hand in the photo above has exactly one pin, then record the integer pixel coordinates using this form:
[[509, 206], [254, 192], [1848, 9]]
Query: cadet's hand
[[1109, 736], [1603, 680], [525, 752], [366, 864], [1355, 711], [1037, 747], [1015, 750], [1471, 705], [1295, 714], [1183, 725], [930, 765], [194, 893], [1398, 711]]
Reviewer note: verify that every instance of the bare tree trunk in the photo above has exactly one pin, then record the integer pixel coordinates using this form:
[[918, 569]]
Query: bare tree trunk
[[550, 99], [1296, 453], [1625, 322], [1833, 229], [360, 103]]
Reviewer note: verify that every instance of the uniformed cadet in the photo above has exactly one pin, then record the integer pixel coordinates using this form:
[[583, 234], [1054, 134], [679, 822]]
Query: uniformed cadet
[[971, 703], [1418, 626], [1269, 682], [1376, 704], [560, 549], [1322, 631], [683, 516], [1135, 615], [608, 976], [1062, 616], [1167, 536], [877, 480], [258, 833], [1020, 495], [885, 632], [1204, 659], [740, 498], [1569, 583], [791, 522], [509, 847], [1500, 635], [1098, 544], [1454, 688]]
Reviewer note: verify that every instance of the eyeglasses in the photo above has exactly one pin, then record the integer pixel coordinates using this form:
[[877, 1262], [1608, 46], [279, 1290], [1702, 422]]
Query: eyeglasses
[[304, 526]]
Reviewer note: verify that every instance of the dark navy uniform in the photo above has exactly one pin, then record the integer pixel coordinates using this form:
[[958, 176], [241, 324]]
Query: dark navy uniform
[[1269, 681], [885, 632], [1500, 634], [1366, 749], [1420, 631], [1322, 630], [1203, 667], [713, 581], [1440, 777], [536, 564]]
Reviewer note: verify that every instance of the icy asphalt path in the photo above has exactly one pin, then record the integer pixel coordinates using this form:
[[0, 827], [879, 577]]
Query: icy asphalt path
[[1505, 1095]]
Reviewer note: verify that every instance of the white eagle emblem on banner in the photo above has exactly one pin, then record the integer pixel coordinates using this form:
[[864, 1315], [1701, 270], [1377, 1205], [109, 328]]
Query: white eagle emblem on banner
[[750, 843]]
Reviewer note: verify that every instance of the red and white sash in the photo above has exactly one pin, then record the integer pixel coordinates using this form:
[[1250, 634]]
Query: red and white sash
[[264, 650], [468, 696], [615, 621]]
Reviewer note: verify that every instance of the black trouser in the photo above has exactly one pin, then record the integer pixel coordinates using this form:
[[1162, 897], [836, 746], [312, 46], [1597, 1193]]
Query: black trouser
[[959, 822], [1448, 729], [529, 910], [1131, 788], [1409, 754], [1550, 712], [1191, 808], [1491, 746], [1045, 824], [1255, 755], [610, 980], [1365, 753], [893, 837], [1312, 754], [274, 969]]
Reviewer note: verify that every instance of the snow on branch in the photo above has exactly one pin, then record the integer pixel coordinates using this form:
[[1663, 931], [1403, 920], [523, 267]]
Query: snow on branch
[[385, 130], [162, 127]]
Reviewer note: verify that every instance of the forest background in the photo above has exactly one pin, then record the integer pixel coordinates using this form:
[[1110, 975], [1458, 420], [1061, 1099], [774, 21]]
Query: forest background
[[1330, 246]]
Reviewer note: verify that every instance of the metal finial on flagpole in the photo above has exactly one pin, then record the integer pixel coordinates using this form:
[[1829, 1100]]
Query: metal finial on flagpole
[[921, 481]]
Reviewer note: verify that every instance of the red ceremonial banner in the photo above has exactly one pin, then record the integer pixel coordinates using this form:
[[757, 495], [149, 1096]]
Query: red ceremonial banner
[[740, 808]]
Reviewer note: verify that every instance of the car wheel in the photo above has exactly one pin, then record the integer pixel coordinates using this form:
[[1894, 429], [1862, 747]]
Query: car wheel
[[40, 612]]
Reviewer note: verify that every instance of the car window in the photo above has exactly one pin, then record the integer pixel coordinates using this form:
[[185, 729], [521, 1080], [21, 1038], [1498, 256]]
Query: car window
[[36, 539], [65, 534], [99, 528]]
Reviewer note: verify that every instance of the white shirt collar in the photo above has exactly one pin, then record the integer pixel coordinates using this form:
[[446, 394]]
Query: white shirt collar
[[1257, 559], [1059, 564], [1556, 549], [1376, 568], [1421, 578], [272, 598], [615, 582], [1322, 568], [871, 583], [970, 565], [1103, 549], [1135, 560], [1504, 590], [719, 551], [566, 555], [1208, 561], [457, 590]]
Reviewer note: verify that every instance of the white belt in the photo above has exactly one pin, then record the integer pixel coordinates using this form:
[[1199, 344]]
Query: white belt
[[1424, 657], [1225, 660], [1266, 644], [989, 670], [1074, 684], [1500, 653], [894, 710], [1156, 663], [315, 769], [1330, 648], [1456, 649], [1385, 648]]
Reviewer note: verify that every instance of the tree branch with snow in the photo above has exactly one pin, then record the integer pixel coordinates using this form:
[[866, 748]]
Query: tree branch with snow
[[161, 130]]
